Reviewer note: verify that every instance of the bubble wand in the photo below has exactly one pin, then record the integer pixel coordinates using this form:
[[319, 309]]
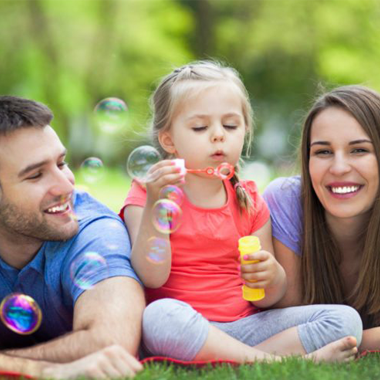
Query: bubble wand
[[223, 171]]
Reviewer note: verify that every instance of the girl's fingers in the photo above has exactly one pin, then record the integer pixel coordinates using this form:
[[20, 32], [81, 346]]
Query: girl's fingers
[[260, 255], [257, 284], [262, 276]]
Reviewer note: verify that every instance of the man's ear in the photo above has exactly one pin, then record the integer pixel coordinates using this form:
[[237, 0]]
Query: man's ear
[[165, 140]]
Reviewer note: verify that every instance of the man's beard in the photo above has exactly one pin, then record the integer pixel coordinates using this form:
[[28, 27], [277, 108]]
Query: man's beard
[[32, 224]]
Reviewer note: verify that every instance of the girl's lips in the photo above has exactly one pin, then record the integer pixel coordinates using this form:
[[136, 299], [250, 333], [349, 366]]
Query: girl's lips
[[219, 157]]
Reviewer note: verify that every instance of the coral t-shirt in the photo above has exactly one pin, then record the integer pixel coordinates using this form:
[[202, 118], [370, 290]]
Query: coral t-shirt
[[205, 254]]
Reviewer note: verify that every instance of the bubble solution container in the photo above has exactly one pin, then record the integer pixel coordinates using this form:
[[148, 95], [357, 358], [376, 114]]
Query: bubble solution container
[[247, 245]]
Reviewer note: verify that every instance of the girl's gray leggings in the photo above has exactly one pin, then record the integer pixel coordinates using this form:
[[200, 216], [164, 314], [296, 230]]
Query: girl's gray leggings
[[174, 329]]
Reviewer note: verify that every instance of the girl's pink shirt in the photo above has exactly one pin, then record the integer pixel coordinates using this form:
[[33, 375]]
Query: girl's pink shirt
[[205, 254]]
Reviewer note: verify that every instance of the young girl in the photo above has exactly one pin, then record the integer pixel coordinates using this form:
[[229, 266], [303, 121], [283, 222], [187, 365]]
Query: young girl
[[202, 114]]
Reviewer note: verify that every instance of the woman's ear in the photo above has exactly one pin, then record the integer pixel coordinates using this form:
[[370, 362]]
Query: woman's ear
[[166, 142]]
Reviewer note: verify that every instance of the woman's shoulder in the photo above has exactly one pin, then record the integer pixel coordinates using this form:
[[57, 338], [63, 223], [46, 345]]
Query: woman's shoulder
[[284, 186], [283, 197]]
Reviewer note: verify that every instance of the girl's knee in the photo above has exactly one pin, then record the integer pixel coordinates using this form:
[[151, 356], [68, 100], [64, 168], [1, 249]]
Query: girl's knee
[[170, 325], [351, 322]]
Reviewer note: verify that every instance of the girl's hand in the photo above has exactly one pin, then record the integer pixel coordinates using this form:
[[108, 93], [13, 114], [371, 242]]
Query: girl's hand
[[160, 175], [266, 273]]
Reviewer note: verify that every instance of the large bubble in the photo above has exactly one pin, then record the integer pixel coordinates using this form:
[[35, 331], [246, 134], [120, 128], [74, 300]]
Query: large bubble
[[173, 193], [158, 250], [141, 160], [111, 115], [92, 169], [20, 313], [86, 269], [166, 216]]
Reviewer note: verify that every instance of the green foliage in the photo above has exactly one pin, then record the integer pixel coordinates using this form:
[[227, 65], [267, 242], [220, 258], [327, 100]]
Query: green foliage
[[71, 54], [111, 189]]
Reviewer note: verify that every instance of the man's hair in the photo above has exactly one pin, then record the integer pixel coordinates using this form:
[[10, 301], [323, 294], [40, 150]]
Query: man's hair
[[16, 113]]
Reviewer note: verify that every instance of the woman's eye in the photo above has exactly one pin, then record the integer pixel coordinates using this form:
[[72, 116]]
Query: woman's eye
[[360, 150], [324, 152]]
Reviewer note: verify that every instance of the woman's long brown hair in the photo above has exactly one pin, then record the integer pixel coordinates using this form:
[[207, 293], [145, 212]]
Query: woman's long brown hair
[[321, 278]]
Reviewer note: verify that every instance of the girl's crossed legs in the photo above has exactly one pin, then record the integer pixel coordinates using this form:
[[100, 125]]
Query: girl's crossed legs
[[174, 329]]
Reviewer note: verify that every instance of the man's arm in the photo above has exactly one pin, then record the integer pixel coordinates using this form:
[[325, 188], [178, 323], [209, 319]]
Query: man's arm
[[23, 366], [110, 362], [108, 314]]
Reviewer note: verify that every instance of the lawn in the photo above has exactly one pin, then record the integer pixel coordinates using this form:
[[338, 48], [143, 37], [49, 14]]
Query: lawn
[[367, 368]]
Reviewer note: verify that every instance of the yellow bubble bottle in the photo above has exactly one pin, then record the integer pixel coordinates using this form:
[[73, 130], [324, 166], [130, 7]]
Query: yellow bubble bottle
[[247, 245]]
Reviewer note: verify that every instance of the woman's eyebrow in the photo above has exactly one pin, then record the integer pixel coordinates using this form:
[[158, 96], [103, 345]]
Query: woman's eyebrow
[[360, 142], [354, 142]]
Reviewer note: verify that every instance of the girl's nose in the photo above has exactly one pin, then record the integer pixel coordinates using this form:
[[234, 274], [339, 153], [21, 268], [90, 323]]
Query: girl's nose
[[218, 134]]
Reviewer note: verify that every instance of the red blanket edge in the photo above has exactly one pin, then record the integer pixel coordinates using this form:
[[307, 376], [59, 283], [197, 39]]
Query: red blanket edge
[[197, 363], [158, 359]]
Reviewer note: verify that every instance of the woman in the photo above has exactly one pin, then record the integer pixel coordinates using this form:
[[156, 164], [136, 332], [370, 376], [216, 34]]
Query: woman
[[326, 223]]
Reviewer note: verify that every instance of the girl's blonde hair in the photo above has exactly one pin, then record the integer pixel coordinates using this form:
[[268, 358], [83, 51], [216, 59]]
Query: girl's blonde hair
[[187, 80]]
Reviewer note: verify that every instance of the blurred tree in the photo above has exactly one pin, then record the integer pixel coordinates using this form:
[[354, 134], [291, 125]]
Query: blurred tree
[[71, 54]]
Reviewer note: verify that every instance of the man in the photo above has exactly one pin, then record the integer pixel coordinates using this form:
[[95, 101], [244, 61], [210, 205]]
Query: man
[[44, 226]]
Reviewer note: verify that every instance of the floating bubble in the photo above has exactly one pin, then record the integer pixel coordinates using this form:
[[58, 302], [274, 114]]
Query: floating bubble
[[158, 250], [111, 115], [166, 216], [172, 193], [86, 268], [20, 313], [92, 169], [141, 160]]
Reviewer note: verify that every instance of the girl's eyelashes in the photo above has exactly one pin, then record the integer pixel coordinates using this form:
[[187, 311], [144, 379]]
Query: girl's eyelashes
[[203, 128], [198, 129], [230, 126]]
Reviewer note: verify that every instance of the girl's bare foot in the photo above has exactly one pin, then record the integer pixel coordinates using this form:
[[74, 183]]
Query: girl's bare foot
[[339, 351]]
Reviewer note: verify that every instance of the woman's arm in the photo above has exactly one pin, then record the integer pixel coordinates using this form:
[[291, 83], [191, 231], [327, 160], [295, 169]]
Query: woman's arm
[[371, 339], [292, 266]]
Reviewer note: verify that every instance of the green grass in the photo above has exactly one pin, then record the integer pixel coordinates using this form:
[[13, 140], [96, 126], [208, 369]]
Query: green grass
[[111, 189], [367, 368]]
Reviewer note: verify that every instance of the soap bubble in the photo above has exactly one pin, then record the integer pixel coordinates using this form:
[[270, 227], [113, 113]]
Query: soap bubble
[[141, 160], [86, 268], [92, 169], [173, 193], [166, 216], [20, 313], [111, 114], [158, 250]]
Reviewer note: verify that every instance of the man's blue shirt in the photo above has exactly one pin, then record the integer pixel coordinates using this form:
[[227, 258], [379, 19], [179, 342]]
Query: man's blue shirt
[[47, 277]]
